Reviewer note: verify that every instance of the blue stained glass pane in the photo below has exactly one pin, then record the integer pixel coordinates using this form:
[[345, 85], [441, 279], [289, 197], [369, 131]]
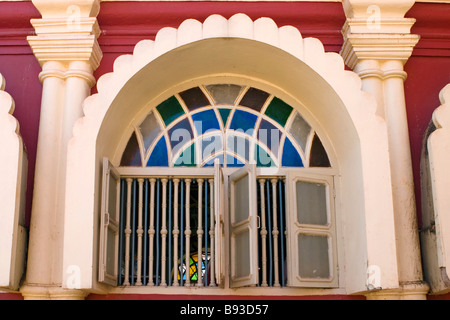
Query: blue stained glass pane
[[263, 159], [159, 157], [205, 121], [243, 121], [291, 158], [211, 145], [269, 135], [180, 135], [239, 145], [210, 163], [233, 162]]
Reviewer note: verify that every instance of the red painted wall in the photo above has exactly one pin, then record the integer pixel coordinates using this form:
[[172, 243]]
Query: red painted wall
[[123, 24], [20, 69]]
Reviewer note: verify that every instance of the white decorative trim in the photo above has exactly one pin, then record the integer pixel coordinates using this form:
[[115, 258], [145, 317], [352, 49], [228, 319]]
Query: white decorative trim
[[369, 218], [13, 170], [439, 157]]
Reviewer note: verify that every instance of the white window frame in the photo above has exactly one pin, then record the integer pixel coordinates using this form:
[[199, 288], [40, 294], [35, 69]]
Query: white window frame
[[295, 228], [224, 248]]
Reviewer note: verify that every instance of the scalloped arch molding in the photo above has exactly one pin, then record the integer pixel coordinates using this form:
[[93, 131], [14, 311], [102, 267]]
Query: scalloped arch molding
[[259, 51], [13, 166]]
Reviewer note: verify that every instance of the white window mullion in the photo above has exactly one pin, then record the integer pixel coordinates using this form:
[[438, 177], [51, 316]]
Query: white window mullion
[[128, 234], [219, 208], [175, 232], [263, 233], [151, 232], [275, 233], [187, 233], [199, 233], [140, 231], [163, 232]]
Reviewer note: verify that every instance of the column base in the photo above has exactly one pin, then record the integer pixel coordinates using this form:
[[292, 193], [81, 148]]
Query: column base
[[407, 291], [39, 292]]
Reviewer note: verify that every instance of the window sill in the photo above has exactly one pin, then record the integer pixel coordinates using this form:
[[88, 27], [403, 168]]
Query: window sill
[[217, 291]]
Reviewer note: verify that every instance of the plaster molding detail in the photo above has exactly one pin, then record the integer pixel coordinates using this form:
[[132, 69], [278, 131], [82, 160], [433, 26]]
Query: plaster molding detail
[[381, 47], [81, 170], [392, 9], [377, 31], [68, 31]]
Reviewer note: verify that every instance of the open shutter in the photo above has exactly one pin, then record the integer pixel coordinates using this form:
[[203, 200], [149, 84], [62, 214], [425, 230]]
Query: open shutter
[[109, 225], [243, 227], [219, 208], [311, 229]]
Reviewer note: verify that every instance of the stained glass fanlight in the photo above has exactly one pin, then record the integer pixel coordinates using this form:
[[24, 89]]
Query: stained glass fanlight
[[232, 123]]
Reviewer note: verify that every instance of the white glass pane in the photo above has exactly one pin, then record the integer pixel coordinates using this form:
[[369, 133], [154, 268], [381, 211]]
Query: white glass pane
[[241, 199], [150, 129], [224, 93], [112, 199], [110, 252], [313, 257], [300, 129], [242, 257], [311, 203]]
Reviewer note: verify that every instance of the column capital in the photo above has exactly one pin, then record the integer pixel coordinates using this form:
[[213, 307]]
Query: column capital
[[377, 31], [67, 32]]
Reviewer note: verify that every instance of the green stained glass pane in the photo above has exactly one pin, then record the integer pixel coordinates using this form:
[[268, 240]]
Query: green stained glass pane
[[170, 110], [224, 114], [279, 111], [187, 158], [263, 159]]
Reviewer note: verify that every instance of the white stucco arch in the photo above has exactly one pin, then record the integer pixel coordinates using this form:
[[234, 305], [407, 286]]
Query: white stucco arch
[[259, 50]]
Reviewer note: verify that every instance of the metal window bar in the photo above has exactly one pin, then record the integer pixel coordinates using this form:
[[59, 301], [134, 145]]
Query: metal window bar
[[272, 232], [159, 215], [158, 220]]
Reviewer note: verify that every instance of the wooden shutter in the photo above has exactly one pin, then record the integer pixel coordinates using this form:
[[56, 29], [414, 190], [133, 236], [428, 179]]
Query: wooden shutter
[[243, 227], [311, 229], [109, 225]]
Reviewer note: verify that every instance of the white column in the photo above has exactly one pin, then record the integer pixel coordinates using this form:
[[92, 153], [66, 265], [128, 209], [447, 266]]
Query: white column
[[66, 47], [377, 44], [402, 173], [42, 231]]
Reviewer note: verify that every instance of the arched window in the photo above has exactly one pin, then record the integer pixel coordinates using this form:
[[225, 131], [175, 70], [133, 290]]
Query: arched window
[[175, 223], [232, 123]]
